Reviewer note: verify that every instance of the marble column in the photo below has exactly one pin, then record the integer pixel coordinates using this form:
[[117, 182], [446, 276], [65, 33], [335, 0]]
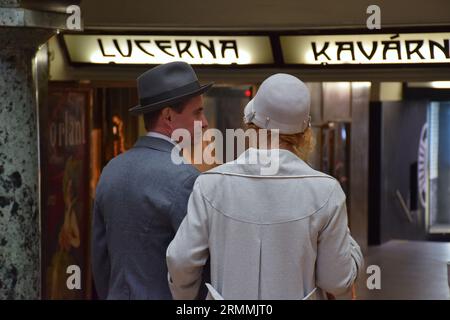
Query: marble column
[[22, 30], [19, 218]]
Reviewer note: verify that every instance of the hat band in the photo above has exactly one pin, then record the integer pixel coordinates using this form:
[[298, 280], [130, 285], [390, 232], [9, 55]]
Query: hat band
[[186, 89]]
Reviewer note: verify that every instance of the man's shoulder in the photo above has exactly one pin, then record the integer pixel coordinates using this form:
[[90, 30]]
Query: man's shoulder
[[149, 161], [162, 163]]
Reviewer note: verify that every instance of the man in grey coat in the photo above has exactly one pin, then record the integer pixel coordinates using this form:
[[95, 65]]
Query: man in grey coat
[[142, 194]]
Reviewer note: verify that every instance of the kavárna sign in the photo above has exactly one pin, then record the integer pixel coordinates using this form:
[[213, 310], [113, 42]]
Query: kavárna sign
[[367, 49]]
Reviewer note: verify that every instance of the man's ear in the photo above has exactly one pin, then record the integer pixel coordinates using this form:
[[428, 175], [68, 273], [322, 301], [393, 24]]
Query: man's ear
[[167, 114]]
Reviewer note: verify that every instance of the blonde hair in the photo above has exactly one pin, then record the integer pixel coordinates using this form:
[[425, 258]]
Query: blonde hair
[[301, 144]]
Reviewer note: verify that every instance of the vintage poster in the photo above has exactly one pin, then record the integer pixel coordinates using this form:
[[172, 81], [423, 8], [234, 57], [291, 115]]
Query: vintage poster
[[65, 196]]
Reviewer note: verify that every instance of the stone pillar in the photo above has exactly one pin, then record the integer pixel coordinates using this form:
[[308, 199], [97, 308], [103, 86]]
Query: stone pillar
[[19, 217], [22, 30]]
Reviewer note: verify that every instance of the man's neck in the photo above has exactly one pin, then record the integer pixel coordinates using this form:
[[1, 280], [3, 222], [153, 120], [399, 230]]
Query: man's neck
[[160, 135], [162, 132]]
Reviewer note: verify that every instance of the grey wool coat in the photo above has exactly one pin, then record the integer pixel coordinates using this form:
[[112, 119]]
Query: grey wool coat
[[140, 201], [279, 236]]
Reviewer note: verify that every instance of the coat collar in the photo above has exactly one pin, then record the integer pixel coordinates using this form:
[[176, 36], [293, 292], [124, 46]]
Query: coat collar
[[289, 165], [154, 143]]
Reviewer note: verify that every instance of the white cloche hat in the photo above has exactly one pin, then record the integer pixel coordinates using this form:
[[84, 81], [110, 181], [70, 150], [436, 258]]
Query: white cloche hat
[[282, 102]]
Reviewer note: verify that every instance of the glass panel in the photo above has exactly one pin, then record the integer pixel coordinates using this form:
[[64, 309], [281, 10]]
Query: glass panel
[[439, 167]]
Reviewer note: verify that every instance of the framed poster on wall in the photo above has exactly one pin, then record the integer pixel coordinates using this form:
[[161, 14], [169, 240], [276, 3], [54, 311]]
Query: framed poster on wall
[[65, 197]]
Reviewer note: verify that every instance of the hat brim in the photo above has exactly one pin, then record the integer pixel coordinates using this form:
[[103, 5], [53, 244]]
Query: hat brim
[[140, 109], [248, 110]]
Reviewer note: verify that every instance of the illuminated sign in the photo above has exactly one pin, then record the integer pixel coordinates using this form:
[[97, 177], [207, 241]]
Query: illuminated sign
[[367, 49], [146, 49]]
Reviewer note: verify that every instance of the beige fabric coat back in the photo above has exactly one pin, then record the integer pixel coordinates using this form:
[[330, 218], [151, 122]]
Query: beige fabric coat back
[[268, 237]]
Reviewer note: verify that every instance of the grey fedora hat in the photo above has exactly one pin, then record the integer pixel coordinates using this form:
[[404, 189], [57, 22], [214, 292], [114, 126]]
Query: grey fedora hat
[[166, 84]]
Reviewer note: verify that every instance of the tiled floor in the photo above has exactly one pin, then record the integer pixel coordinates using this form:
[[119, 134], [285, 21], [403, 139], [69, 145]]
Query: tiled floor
[[409, 270]]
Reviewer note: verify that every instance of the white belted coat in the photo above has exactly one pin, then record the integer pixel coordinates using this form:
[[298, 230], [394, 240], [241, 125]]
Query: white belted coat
[[276, 236]]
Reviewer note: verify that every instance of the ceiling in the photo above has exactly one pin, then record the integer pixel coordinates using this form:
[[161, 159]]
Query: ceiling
[[258, 14]]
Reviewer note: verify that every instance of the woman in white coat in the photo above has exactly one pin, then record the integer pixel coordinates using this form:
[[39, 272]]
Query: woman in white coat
[[277, 235]]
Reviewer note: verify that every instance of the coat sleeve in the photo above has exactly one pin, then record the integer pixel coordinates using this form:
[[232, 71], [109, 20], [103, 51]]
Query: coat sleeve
[[339, 258], [101, 266], [188, 252]]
